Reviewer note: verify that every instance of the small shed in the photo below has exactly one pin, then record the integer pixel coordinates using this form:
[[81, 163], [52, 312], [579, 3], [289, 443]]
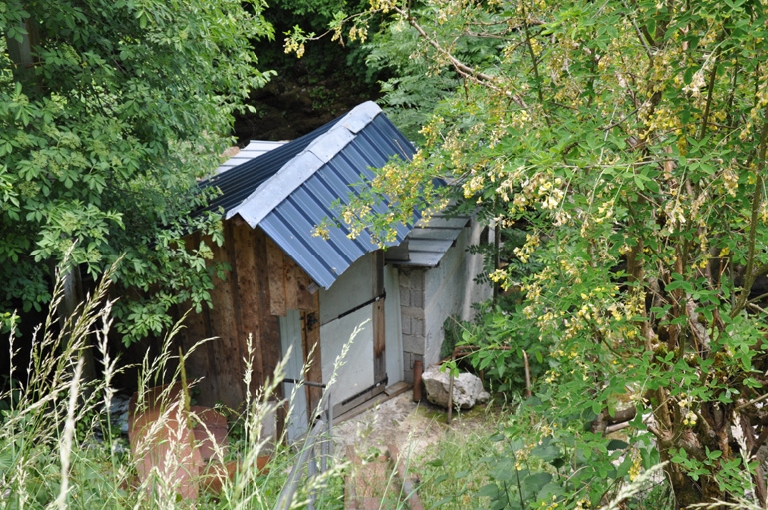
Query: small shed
[[288, 290], [436, 280]]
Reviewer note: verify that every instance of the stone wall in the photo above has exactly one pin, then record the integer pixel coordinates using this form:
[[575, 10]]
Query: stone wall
[[412, 309]]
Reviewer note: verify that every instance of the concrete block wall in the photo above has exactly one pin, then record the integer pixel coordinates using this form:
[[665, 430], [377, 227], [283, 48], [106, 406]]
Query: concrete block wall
[[412, 310]]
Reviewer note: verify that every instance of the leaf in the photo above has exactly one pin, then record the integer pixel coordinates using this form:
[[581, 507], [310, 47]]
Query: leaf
[[439, 479], [547, 453], [624, 467], [617, 444], [549, 490], [488, 491], [651, 26], [535, 482], [504, 470], [443, 501]]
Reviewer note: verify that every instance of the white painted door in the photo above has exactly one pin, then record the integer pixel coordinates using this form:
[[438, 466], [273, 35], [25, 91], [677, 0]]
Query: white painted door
[[394, 328], [290, 336], [354, 374]]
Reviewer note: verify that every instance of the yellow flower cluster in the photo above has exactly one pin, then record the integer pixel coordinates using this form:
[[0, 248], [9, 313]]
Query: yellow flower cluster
[[730, 181], [383, 5], [359, 32], [322, 231], [583, 503], [547, 505], [675, 215], [665, 120], [637, 466], [501, 277], [569, 267], [433, 130], [689, 417], [524, 252], [293, 45]]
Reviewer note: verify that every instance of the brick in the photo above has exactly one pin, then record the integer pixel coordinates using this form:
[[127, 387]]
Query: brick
[[412, 311], [417, 327], [406, 321], [404, 277], [413, 344], [417, 298], [405, 296], [417, 280]]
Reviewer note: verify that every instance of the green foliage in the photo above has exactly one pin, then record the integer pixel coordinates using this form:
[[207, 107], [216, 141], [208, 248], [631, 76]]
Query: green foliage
[[50, 457], [318, 13], [629, 139], [414, 86], [504, 338], [522, 459], [109, 112]]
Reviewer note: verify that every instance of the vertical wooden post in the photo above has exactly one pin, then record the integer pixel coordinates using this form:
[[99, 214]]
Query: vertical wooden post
[[247, 306], [379, 321], [228, 363], [311, 344], [269, 324]]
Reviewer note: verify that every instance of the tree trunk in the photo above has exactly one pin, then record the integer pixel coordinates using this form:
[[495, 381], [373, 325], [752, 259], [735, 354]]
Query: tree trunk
[[73, 297], [21, 53], [689, 491]]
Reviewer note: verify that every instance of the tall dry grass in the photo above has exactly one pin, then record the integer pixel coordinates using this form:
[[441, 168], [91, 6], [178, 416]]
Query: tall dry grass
[[50, 457]]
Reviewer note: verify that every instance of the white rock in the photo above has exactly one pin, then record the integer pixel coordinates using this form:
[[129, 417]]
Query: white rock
[[467, 388]]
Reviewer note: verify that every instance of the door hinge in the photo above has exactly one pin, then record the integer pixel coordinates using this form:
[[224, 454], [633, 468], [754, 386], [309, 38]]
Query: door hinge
[[311, 320]]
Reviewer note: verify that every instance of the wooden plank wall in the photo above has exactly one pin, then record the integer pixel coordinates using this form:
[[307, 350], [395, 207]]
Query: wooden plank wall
[[292, 289], [263, 283]]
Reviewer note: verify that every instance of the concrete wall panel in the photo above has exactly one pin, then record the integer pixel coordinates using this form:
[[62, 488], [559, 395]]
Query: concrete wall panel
[[356, 372]]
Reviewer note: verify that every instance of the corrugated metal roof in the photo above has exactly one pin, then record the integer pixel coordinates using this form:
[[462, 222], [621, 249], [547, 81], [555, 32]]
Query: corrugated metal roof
[[289, 201], [253, 150], [429, 241], [240, 182]]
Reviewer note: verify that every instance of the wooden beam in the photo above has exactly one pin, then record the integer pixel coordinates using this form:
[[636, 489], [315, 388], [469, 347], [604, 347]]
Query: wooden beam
[[197, 364], [343, 407], [306, 291], [276, 279], [378, 273], [291, 289], [269, 336], [311, 344], [379, 320], [248, 313], [379, 342], [227, 355]]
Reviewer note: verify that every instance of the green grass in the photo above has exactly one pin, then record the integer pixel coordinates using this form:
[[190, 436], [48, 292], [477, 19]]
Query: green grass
[[50, 458]]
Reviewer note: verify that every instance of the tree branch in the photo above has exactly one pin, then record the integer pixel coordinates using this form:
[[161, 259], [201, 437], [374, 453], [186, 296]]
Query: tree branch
[[474, 75], [710, 89], [757, 200], [640, 36]]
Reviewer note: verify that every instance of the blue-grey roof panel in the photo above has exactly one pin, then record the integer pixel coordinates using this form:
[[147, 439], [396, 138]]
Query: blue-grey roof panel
[[237, 184], [429, 241], [291, 201], [253, 150]]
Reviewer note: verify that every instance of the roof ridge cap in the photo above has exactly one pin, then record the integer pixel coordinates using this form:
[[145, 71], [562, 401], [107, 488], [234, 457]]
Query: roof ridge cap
[[277, 188]]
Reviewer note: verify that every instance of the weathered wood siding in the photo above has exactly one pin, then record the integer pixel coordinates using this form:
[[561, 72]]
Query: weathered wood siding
[[262, 284]]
